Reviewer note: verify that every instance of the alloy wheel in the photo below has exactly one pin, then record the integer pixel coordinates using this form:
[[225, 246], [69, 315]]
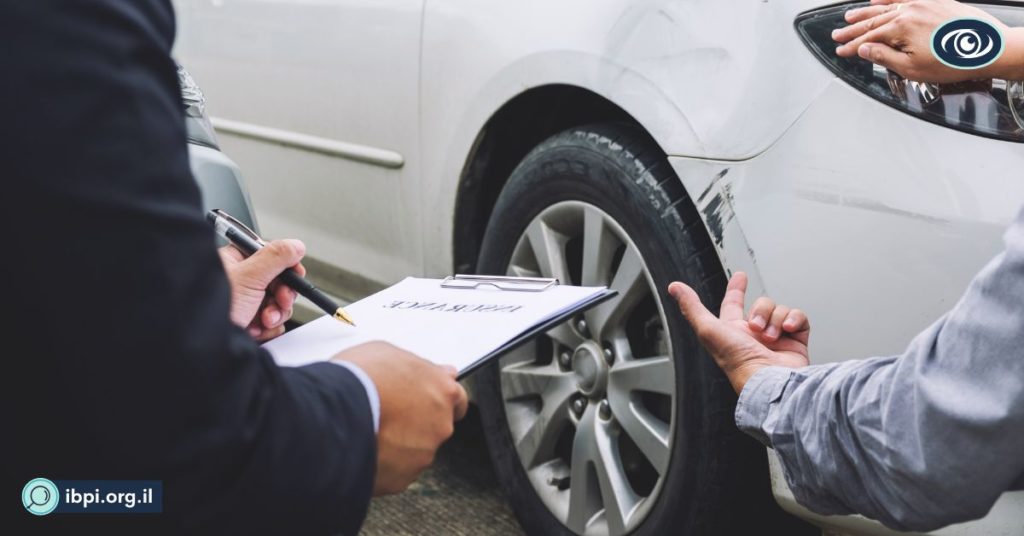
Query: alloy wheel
[[591, 406]]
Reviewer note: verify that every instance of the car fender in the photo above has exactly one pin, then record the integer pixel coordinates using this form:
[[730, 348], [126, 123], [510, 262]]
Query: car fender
[[698, 92]]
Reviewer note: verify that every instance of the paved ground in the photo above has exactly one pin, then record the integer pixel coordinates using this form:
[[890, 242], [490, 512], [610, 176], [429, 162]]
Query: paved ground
[[457, 496]]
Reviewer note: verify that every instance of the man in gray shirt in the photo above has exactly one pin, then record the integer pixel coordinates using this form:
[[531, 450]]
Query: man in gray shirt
[[920, 440]]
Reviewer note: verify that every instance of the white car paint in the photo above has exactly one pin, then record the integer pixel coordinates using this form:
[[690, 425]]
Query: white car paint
[[822, 194]]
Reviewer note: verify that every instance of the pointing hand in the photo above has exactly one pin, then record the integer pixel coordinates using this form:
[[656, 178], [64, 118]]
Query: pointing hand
[[771, 335]]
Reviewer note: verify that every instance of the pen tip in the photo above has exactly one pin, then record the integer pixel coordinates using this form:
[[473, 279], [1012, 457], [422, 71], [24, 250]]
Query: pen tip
[[340, 314]]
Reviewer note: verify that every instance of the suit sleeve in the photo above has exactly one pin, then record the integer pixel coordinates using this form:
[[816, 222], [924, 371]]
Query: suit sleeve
[[918, 441], [134, 369]]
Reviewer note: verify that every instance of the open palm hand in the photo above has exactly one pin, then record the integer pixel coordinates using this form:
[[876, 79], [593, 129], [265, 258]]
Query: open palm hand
[[771, 335]]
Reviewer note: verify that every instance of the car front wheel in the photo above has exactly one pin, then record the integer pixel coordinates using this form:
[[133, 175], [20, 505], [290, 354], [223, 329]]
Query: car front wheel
[[615, 422]]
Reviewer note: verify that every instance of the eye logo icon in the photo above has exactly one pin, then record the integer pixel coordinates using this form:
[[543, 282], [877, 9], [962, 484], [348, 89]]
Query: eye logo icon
[[40, 496], [967, 43]]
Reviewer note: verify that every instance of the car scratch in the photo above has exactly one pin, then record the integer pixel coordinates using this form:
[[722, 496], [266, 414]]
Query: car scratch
[[717, 210], [865, 203]]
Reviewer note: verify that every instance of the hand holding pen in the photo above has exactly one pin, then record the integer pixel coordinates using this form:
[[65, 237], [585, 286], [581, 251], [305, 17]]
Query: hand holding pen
[[254, 282], [259, 303]]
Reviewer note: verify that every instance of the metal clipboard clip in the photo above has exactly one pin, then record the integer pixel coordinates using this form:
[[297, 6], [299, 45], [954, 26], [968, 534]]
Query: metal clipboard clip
[[513, 284]]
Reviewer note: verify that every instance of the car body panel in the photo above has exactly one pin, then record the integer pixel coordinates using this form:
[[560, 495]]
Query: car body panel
[[908, 222], [288, 65], [220, 183], [693, 86], [911, 222]]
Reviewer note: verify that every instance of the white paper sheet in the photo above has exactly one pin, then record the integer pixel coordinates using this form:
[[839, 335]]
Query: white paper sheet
[[446, 326]]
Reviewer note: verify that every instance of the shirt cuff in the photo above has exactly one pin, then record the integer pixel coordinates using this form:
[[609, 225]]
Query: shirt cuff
[[371, 390], [753, 409]]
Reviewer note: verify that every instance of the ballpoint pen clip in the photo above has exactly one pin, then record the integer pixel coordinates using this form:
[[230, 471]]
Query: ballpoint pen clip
[[241, 226]]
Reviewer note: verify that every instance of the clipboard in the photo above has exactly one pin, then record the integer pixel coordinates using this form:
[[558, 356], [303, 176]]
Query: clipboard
[[519, 284], [507, 283], [464, 321]]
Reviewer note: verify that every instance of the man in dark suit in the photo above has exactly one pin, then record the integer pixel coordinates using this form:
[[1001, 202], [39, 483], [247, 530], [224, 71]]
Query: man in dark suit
[[128, 356]]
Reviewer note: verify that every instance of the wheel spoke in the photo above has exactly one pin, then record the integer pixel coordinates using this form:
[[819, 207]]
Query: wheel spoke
[[630, 282], [563, 334], [525, 379], [598, 479], [616, 492], [555, 389], [654, 374], [650, 433], [584, 490], [519, 271], [549, 250], [599, 245]]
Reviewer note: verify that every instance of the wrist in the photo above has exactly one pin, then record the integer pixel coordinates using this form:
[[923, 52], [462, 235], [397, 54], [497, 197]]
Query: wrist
[[1010, 64], [739, 375]]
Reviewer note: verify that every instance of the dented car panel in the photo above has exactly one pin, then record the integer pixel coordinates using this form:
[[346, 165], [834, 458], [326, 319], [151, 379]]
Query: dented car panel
[[891, 221]]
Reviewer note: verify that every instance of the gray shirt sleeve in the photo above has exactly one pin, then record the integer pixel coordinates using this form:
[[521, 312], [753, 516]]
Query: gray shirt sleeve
[[916, 441]]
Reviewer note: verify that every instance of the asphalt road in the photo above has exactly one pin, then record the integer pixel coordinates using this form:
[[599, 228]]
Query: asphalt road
[[459, 495]]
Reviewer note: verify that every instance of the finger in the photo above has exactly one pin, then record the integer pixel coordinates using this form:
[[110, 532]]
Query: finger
[[796, 321], [266, 264], [267, 334], [722, 341], [885, 2], [284, 296], [461, 402], [886, 34], [451, 371], [735, 293], [230, 255], [689, 304], [273, 316], [798, 326], [887, 57], [760, 312], [861, 28], [863, 13], [774, 329]]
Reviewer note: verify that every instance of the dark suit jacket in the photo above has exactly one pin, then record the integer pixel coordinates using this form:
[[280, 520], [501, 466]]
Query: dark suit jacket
[[120, 361]]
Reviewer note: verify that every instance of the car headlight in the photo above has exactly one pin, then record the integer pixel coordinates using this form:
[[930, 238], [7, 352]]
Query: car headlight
[[991, 107], [197, 123]]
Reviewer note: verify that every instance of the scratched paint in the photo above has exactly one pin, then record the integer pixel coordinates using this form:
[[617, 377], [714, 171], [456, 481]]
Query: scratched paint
[[717, 210]]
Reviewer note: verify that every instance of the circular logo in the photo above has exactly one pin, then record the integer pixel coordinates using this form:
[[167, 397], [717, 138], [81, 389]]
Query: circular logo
[[967, 43], [40, 496]]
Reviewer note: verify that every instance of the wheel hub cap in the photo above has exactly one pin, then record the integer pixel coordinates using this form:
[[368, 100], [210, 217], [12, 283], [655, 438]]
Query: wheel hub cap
[[590, 369]]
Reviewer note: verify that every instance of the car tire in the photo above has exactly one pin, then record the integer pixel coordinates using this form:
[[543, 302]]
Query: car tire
[[715, 480]]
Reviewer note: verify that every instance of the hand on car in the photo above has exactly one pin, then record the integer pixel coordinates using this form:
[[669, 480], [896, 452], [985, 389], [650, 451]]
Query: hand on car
[[419, 402], [896, 34], [260, 304], [771, 335]]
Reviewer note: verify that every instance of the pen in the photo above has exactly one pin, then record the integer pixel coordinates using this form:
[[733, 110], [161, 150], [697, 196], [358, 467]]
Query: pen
[[248, 242]]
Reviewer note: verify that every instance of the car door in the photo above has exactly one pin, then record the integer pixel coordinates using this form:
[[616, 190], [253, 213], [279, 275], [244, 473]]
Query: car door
[[317, 102]]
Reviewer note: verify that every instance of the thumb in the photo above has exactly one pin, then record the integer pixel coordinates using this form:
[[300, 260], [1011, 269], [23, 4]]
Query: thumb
[[263, 266], [689, 304]]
